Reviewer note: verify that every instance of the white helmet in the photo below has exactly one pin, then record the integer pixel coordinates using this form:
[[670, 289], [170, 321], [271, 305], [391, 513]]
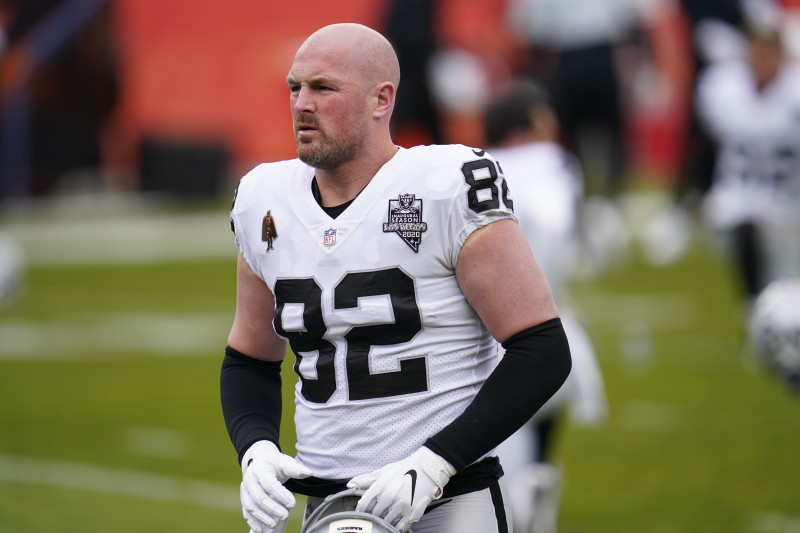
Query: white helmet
[[337, 514], [774, 329]]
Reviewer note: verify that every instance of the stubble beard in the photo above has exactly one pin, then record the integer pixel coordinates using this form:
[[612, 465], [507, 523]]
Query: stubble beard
[[327, 153]]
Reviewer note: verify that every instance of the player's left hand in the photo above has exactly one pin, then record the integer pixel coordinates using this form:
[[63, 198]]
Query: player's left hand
[[399, 492]]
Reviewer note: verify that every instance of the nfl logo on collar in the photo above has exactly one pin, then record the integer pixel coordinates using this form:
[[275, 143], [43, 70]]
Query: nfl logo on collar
[[329, 237]]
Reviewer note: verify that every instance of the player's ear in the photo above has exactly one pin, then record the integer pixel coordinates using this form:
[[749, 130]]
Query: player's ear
[[384, 99]]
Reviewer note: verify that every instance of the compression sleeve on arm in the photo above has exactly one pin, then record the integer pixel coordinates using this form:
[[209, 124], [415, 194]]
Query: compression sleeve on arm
[[250, 391], [536, 363]]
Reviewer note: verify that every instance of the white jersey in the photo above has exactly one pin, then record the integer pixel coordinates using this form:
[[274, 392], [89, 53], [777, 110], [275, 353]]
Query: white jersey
[[547, 187], [757, 174], [387, 349]]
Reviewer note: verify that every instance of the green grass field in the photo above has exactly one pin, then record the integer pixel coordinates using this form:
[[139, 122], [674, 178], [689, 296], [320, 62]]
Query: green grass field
[[110, 418]]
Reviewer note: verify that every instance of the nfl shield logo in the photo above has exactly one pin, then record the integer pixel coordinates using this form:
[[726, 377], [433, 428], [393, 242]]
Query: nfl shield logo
[[329, 237]]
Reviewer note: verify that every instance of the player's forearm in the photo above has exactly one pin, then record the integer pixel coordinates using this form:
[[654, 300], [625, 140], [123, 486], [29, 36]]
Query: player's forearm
[[536, 363], [250, 392]]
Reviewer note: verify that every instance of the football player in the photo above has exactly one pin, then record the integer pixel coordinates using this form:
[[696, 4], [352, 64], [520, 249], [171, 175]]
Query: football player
[[521, 128], [396, 273], [751, 107]]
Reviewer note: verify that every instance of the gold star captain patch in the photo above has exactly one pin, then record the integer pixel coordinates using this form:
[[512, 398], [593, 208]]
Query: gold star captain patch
[[405, 219], [268, 231]]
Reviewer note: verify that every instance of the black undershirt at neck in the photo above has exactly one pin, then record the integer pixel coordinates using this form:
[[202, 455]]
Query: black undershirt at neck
[[332, 212]]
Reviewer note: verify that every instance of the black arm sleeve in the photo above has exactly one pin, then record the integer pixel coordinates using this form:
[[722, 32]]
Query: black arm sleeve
[[536, 363], [250, 391]]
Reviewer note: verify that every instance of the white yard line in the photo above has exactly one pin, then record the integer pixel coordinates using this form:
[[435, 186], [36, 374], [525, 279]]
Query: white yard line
[[103, 336], [774, 522], [650, 417], [117, 482], [131, 238]]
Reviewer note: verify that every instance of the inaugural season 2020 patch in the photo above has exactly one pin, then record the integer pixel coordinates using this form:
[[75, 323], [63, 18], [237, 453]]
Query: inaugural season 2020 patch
[[405, 219]]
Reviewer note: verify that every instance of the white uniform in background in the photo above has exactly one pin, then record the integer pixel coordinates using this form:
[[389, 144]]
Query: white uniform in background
[[547, 183], [547, 189], [757, 174], [387, 263]]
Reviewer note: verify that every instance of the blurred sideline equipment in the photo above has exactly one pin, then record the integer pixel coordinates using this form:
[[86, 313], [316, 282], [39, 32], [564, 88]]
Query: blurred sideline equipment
[[774, 330], [183, 168], [337, 514]]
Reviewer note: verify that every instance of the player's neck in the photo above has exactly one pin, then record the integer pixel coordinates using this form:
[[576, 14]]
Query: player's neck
[[518, 138], [342, 184]]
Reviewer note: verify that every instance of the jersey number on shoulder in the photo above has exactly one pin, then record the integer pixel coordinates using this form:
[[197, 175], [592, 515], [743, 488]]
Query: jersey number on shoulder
[[362, 385], [481, 176]]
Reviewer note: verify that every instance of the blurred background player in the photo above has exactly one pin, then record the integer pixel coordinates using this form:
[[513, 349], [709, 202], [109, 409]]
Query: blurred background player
[[574, 48], [614, 73], [750, 106], [714, 36], [546, 184], [410, 26]]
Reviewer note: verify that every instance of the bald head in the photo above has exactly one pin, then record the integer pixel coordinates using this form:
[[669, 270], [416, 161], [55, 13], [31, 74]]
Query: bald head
[[342, 88], [367, 51]]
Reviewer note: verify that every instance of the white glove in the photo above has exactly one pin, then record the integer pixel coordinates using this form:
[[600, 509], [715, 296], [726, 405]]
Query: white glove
[[265, 501], [400, 492]]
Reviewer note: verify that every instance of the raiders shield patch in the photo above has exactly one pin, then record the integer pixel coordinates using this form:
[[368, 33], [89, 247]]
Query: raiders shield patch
[[405, 219]]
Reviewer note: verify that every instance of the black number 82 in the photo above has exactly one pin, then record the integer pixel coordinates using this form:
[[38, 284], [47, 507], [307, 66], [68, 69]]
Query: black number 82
[[485, 186], [361, 383]]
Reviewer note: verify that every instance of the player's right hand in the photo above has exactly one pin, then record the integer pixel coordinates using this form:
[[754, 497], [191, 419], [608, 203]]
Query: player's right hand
[[400, 492], [265, 501]]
